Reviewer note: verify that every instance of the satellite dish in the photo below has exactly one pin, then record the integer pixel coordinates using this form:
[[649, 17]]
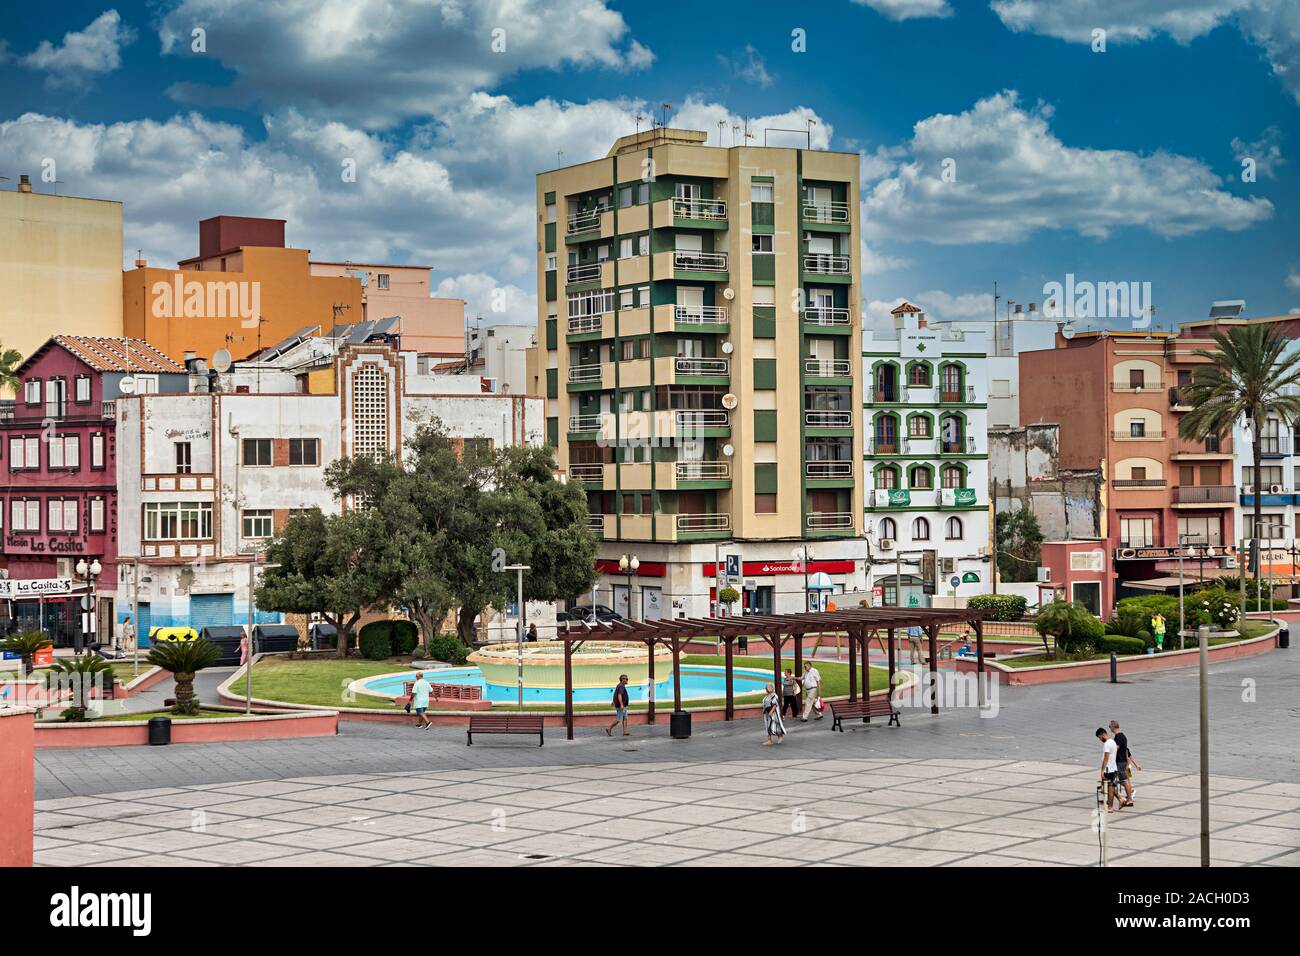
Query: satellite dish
[[127, 385], [728, 293], [728, 449], [221, 360], [1067, 331], [729, 401], [727, 348]]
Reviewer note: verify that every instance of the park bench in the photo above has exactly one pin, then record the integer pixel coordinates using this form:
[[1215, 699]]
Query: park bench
[[842, 710], [504, 724], [444, 692]]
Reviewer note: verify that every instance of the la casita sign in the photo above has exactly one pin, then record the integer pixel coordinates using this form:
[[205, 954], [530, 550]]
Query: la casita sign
[[19, 588]]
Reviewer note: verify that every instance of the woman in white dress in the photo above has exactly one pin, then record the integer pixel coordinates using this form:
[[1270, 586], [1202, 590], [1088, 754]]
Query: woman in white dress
[[772, 722]]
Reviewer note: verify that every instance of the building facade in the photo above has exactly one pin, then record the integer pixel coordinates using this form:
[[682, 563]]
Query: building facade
[[59, 448], [698, 335], [926, 501], [427, 325]]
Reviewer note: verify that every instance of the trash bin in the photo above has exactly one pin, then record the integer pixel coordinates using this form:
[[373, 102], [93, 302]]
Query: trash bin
[[1284, 637], [679, 725], [160, 731]]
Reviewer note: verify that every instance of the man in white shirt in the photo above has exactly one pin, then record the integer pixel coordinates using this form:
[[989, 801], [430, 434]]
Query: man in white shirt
[[812, 689], [1109, 769]]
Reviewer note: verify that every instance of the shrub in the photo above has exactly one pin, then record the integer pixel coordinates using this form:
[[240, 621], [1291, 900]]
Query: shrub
[[1133, 614], [1146, 638], [374, 642], [1213, 607], [1003, 607], [1122, 645], [728, 595], [447, 647], [1073, 626]]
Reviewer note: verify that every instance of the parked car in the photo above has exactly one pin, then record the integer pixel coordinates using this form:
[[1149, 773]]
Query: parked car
[[583, 612]]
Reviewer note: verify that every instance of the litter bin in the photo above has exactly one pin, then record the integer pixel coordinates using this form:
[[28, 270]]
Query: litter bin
[[160, 731], [679, 725], [1284, 637]]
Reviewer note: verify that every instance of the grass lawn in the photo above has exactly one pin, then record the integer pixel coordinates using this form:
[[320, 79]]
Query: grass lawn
[[322, 682], [123, 671], [167, 713]]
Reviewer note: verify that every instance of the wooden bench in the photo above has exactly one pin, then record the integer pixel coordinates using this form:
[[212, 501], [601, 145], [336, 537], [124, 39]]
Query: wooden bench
[[443, 692], [842, 710], [504, 724]]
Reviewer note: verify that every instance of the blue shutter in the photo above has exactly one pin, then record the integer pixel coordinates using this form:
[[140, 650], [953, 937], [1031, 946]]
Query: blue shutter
[[211, 609]]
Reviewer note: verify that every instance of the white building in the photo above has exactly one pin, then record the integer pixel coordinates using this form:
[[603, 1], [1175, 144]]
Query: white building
[[926, 415], [206, 478], [1005, 338]]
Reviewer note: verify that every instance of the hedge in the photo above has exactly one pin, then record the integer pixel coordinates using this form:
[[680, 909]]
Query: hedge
[[1004, 607], [381, 640], [1121, 644], [447, 647]]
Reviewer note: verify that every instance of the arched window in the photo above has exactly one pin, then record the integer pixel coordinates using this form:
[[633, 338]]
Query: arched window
[[953, 529], [919, 476], [950, 434], [920, 530], [886, 435], [888, 529], [950, 383], [887, 382], [952, 476], [918, 426], [918, 375], [887, 477]]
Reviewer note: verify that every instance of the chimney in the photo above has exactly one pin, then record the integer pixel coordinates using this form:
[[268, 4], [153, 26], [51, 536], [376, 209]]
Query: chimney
[[24, 183], [921, 323]]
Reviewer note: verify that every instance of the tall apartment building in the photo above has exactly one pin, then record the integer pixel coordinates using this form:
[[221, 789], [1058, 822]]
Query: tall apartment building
[[926, 414], [699, 336]]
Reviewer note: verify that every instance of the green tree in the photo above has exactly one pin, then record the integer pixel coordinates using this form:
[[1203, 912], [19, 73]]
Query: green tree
[[1020, 545], [1246, 376], [78, 674], [184, 659], [1071, 625], [10, 359], [25, 644]]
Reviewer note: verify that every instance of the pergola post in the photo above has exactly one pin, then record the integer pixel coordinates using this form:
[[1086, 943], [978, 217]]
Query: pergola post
[[933, 631], [853, 665], [891, 663], [778, 642], [866, 662], [568, 686], [798, 672], [731, 692], [650, 690], [979, 659], [677, 674]]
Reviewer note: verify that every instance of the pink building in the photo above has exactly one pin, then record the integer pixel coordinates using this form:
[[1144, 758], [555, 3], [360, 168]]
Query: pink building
[[58, 477]]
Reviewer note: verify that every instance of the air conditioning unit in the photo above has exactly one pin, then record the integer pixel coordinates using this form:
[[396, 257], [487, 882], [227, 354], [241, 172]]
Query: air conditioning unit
[[1044, 575], [1248, 490], [886, 544], [1275, 489], [947, 565]]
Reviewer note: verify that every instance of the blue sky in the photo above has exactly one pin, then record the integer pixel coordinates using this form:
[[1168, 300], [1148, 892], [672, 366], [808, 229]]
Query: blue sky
[[1115, 165]]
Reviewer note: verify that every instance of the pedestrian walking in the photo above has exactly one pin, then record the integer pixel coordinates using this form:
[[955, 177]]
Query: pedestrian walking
[[772, 722], [812, 690], [1110, 770], [420, 692], [621, 701], [789, 693], [914, 642], [1124, 761], [125, 634]]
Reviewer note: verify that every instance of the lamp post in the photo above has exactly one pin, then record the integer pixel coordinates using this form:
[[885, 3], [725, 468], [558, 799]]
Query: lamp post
[[1191, 553], [628, 565], [90, 572], [803, 554], [519, 569]]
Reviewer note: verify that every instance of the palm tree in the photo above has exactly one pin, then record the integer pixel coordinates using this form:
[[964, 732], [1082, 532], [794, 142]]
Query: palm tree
[[25, 644], [78, 674], [1249, 377], [184, 659], [10, 359]]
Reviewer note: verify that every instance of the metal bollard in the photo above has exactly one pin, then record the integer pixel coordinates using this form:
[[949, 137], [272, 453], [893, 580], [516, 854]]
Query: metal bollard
[[1114, 668]]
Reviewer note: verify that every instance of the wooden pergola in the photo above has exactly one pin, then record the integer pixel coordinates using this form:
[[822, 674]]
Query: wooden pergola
[[861, 625]]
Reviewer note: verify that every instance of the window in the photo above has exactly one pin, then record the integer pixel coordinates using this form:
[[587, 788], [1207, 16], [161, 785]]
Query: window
[[1137, 428], [146, 384], [761, 243], [1202, 530], [383, 280], [32, 391], [952, 529], [921, 529], [62, 515], [97, 450], [56, 398], [177, 520], [96, 514], [550, 212], [887, 477], [1212, 444], [765, 504], [760, 192], [1136, 532], [629, 504], [1136, 378], [918, 426], [258, 523], [24, 454], [65, 451], [550, 263], [627, 299], [83, 389], [25, 515], [184, 463], [919, 476], [888, 529], [952, 476], [257, 451], [1137, 473], [626, 196], [918, 375], [1271, 526], [304, 451]]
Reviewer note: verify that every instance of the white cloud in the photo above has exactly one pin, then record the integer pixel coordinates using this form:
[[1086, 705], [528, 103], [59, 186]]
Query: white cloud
[[698, 115], [1272, 24], [939, 306], [494, 301], [875, 262], [908, 9], [1293, 279], [373, 63], [748, 65], [83, 54], [1265, 151], [1014, 176]]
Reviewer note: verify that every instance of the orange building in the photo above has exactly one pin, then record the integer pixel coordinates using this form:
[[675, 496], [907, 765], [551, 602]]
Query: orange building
[[244, 290], [1116, 397]]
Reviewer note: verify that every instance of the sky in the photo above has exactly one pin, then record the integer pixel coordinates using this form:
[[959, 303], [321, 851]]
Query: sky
[[1007, 141]]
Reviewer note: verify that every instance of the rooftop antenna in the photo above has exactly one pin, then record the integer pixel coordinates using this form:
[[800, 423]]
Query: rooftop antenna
[[722, 124], [640, 118], [666, 108], [559, 158]]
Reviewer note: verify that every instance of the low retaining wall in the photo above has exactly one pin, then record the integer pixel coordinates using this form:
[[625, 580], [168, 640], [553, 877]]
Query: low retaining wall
[[149, 677], [127, 733], [17, 786], [1137, 664]]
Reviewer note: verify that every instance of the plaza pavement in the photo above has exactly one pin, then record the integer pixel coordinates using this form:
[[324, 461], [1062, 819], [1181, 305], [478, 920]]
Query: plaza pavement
[[955, 789]]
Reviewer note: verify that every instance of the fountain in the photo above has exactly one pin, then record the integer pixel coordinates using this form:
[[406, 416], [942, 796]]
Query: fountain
[[595, 664]]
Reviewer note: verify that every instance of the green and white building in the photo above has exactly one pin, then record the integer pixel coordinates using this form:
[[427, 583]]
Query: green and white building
[[925, 414]]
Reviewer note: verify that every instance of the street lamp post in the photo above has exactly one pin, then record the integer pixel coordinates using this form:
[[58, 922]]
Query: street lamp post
[[803, 554], [519, 569], [1203, 641], [90, 572], [629, 565]]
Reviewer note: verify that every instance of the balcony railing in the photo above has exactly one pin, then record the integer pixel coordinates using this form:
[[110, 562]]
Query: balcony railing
[[824, 263], [582, 221], [702, 470], [1138, 482], [703, 522], [1141, 436], [827, 368], [702, 366], [829, 520], [1274, 445], [886, 396], [700, 314], [579, 324], [702, 418], [700, 261], [1204, 494], [584, 373], [714, 209], [957, 446], [821, 316], [596, 523], [822, 419], [828, 469], [826, 212], [584, 272], [587, 471], [884, 446], [109, 410], [584, 423], [952, 396]]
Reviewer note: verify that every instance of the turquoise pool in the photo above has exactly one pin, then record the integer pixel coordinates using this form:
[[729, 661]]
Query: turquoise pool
[[698, 682]]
